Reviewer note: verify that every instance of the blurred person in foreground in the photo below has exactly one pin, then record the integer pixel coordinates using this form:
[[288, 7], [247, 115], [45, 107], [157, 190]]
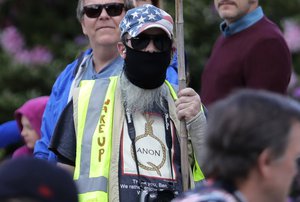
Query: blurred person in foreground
[[100, 21], [250, 53], [27, 179], [126, 146], [252, 149]]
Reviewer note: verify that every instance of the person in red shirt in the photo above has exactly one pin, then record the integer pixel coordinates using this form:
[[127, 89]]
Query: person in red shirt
[[250, 53]]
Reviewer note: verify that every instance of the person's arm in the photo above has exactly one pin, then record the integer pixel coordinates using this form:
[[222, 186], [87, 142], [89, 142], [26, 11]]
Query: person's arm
[[57, 102], [9, 133], [268, 66], [41, 146], [197, 130], [189, 108]]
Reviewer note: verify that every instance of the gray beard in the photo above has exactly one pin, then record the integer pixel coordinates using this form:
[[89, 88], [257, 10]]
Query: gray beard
[[139, 100]]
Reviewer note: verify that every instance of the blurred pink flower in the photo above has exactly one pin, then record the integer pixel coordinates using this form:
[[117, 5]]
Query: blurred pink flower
[[13, 43], [11, 40], [37, 56], [23, 57], [292, 35], [40, 55]]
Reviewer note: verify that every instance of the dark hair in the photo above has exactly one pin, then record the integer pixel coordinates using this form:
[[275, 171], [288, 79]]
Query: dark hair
[[156, 3], [128, 4], [241, 127]]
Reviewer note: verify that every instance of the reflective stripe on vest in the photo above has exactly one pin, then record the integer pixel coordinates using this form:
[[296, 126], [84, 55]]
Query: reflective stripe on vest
[[197, 173], [93, 140]]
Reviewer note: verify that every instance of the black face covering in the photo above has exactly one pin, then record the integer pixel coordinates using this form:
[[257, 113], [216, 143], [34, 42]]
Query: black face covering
[[146, 70]]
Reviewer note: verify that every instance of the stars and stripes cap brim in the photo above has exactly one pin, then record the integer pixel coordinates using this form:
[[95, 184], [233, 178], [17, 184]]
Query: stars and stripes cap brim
[[145, 17]]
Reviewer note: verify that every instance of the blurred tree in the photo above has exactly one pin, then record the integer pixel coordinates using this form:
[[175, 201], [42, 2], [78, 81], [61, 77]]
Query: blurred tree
[[37, 40]]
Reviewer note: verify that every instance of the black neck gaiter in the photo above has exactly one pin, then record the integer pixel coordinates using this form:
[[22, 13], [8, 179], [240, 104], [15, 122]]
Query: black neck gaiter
[[146, 70]]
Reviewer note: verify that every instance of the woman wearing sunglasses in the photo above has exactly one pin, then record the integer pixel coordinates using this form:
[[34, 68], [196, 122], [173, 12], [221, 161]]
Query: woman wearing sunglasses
[[99, 20], [124, 146]]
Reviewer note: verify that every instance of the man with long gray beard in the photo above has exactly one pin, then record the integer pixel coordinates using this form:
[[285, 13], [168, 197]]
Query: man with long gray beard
[[125, 146]]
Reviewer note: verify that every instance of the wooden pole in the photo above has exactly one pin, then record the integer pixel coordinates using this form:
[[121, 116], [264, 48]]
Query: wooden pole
[[182, 84]]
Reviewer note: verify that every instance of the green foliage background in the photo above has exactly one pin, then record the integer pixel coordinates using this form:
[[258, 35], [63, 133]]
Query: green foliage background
[[52, 23]]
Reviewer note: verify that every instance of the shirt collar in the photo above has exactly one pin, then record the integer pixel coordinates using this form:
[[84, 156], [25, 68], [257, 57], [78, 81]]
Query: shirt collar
[[90, 65], [111, 69], [243, 23]]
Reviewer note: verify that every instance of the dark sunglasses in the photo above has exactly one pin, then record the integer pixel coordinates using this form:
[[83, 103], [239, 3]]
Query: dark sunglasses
[[161, 42], [95, 10]]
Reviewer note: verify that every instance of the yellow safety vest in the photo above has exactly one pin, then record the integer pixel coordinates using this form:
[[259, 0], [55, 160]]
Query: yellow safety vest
[[94, 135]]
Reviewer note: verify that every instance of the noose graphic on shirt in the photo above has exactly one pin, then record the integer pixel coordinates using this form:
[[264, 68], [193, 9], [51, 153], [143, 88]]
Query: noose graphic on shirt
[[149, 132]]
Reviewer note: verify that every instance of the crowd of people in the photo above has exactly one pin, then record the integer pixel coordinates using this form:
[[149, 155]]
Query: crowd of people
[[111, 129]]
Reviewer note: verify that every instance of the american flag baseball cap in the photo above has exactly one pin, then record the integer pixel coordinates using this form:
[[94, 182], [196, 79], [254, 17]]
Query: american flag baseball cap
[[144, 17]]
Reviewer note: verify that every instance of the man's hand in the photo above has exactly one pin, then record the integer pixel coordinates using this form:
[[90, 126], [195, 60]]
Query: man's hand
[[188, 104]]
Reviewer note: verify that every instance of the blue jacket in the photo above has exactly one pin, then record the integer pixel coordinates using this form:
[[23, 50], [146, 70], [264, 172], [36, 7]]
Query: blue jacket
[[60, 96]]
